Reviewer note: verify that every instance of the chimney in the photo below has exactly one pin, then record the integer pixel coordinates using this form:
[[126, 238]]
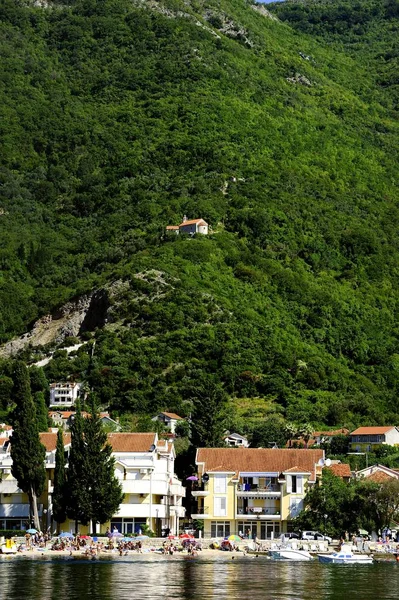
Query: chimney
[[184, 218]]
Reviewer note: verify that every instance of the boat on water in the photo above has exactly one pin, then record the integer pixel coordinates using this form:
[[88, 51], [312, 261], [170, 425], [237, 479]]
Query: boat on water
[[345, 556], [290, 554]]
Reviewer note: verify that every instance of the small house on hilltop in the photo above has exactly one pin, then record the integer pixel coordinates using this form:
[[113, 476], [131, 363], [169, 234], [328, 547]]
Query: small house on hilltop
[[236, 440], [189, 227], [366, 439], [170, 420]]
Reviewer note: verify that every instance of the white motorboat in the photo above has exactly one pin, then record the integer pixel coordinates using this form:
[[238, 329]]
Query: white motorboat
[[289, 554], [345, 556]]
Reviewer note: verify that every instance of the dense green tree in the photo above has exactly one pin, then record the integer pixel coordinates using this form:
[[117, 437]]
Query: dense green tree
[[208, 416], [41, 411], [78, 506], [272, 431], [59, 495], [27, 452], [104, 489]]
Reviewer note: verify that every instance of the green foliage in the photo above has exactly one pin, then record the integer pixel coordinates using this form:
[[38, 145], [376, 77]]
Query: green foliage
[[338, 506], [93, 493], [208, 415], [118, 119], [27, 452], [41, 412], [59, 493]]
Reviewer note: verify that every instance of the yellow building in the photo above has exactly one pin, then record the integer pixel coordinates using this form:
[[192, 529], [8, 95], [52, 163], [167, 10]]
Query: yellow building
[[252, 491], [144, 466]]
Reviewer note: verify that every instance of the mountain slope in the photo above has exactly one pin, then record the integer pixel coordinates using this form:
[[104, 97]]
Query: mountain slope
[[118, 118]]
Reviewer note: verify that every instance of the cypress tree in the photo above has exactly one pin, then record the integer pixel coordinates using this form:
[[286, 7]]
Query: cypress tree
[[41, 412], [27, 452], [77, 492], [105, 490], [59, 493]]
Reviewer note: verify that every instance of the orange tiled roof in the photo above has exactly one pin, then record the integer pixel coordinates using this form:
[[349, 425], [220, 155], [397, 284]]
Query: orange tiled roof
[[172, 416], [49, 440], [131, 442], [372, 430], [258, 460], [172, 227], [340, 470], [295, 470], [379, 477], [342, 431], [192, 222]]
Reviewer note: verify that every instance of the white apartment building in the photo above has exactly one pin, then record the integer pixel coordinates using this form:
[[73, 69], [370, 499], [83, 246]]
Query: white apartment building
[[64, 394], [143, 464]]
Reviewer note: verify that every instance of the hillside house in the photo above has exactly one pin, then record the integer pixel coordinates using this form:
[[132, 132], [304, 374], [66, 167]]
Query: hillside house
[[65, 394], [377, 474], [170, 420], [189, 227], [64, 418], [236, 440], [367, 439]]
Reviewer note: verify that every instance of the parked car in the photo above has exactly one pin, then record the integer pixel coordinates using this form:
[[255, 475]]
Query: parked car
[[315, 535], [292, 535]]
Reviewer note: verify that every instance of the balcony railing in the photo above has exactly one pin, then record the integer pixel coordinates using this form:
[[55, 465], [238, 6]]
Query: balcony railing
[[200, 511], [258, 510], [250, 487]]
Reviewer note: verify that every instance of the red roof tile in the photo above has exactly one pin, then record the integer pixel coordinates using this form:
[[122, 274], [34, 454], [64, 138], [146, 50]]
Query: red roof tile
[[192, 222], [379, 477], [172, 416], [372, 430], [49, 440], [340, 470], [131, 442], [258, 460]]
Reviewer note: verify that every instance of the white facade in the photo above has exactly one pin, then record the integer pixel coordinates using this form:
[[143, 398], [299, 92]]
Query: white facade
[[64, 394], [144, 467], [153, 494]]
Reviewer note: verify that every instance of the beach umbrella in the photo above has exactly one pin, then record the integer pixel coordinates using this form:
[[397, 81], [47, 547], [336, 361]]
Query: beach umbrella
[[234, 538], [85, 537], [141, 537], [363, 532], [31, 530], [186, 536], [127, 539], [65, 534], [192, 478]]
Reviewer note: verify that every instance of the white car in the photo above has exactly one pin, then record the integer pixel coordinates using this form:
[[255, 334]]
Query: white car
[[315, 535]]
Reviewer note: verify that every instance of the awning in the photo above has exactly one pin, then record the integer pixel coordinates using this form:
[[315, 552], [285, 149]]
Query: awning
[[16, 511]]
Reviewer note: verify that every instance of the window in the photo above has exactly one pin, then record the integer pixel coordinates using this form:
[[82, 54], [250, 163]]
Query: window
[[220, 507], [294, 484], [248, 528], [220, 529], [220, 484], [296, 505]]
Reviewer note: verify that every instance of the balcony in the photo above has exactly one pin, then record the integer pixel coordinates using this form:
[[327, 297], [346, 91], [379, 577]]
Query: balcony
[[201, 513], [249, 491], [200, 491], [259, 512]]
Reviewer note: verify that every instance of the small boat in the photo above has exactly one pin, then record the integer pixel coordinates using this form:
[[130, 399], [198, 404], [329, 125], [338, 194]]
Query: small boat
[[289, 554], [345, 556]]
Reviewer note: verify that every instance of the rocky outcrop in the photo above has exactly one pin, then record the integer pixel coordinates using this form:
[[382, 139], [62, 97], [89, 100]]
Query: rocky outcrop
[[85, 313]]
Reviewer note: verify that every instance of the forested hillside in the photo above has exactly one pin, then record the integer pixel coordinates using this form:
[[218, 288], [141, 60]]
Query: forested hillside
[[120, 116]]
